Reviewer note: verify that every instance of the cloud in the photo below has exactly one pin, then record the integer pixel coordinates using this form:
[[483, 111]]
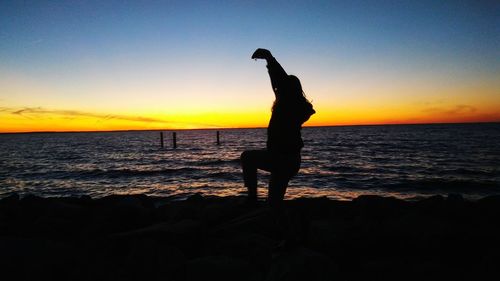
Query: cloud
[[30, 112], [457, 110], [37, 112], [460, 109]]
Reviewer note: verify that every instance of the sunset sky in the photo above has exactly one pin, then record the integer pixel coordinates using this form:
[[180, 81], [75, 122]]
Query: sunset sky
[[114, 65]]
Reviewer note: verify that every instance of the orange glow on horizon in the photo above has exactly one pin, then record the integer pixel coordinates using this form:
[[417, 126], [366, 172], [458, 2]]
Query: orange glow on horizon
[[61, 121], [342, 104]]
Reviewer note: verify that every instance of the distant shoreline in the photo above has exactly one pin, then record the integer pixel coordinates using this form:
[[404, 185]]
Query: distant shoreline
[[238, 128]]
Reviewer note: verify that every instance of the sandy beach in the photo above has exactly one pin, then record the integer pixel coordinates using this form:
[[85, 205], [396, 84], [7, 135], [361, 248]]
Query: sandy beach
[[136, 237]]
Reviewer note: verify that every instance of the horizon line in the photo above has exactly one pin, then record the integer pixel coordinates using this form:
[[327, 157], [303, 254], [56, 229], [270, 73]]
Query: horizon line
[[235, 128]]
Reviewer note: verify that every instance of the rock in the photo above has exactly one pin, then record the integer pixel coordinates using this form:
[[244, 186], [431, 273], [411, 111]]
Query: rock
[[324, 235], [11, 199], [8, 211], [259, 221], [138, 202], [183, 227], [195, 199], [214, 213], [126, 237], [302, 264], [181, 210], [48, 226], [66, 210], [32, 207], [455, 198], [489, 207], [430, 204], [187, 235], [151, 260], [114, 214], [219, 212], [219, 268], [252, 248], [492, 199], [372, 207], [36, 259]]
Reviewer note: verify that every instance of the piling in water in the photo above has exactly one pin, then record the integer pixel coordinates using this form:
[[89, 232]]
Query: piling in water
[[218, 138], [161, 139], [174, 139]]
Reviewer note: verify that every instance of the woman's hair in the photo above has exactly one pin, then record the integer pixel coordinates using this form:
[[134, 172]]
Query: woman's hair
[[302, 107], [293, 90], [295, 87]]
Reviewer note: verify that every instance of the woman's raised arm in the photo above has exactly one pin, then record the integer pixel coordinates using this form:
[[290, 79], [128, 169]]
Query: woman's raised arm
[[277, 74]]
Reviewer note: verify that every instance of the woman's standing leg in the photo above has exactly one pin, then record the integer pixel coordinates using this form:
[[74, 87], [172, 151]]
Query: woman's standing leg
[[277, 189], [283, 170], [284, 167]]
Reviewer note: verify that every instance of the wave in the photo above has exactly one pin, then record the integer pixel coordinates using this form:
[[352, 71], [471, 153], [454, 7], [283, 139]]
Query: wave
[[217, 162], [224, 175], [464, 171], [391, 185], [159, 172], [437, 185], [108, 173]]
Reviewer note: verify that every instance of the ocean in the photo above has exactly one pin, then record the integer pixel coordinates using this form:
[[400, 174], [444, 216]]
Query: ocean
[[404, 161]]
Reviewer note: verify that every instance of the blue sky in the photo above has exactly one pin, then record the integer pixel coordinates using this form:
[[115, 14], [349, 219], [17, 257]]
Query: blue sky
[[91, 50]]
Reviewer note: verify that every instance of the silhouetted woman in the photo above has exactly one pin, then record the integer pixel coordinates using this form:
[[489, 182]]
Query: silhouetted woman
[[284, 142]]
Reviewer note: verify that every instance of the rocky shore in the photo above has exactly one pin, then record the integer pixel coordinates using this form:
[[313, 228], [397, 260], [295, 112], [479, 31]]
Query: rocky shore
[[136, 237]]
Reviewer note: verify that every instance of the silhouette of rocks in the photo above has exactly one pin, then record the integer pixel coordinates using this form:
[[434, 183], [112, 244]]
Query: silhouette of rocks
[[219, 268], [136, 237], [302, 264]]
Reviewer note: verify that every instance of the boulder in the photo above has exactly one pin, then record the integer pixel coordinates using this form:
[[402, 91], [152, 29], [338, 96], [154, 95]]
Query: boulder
[[150, 260], [430, 204], [372, 207], [325, 235], [220, 268], [252, 248], [455, 198], [37, 259], [302, 264], [11, 199], [259, 221], [180, 228]]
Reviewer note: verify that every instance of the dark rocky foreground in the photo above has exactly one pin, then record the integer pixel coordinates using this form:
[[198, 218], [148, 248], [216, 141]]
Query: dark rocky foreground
[[145, 238]]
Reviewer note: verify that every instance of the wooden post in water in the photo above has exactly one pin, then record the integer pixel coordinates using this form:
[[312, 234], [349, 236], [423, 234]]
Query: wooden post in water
[[161, 139], [174, 139], [218, 138]]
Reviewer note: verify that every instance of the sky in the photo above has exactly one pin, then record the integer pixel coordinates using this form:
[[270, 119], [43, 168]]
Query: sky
[[126, 65]]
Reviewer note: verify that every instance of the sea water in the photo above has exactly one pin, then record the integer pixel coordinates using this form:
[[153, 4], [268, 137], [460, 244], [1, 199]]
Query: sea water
[[405, 161]]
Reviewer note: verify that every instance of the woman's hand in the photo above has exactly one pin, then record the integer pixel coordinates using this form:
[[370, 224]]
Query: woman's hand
[[262, 54]]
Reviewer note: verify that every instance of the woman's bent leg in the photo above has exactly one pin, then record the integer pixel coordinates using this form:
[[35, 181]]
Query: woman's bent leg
[[251, 160]]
